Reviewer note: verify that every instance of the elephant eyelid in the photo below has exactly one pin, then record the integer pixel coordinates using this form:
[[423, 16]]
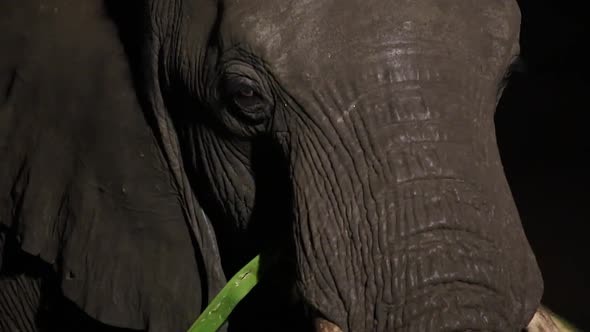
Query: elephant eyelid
[[237, 82]]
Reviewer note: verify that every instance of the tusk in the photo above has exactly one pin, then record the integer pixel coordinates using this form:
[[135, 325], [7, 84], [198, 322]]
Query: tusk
[[322, 325], [545, 321]]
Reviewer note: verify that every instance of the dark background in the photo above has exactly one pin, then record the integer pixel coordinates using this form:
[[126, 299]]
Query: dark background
[[544, 136]]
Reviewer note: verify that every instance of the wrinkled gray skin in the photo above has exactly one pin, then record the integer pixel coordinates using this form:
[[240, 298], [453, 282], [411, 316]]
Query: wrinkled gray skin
[[353, 140]]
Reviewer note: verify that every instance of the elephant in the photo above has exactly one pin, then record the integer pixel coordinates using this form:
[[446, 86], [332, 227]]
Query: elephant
[[149, 149]]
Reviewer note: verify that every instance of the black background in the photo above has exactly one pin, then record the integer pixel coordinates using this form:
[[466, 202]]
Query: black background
[[543, 132]]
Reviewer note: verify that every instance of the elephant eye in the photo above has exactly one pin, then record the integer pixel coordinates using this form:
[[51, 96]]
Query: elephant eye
[[246, 98], [245, 101]]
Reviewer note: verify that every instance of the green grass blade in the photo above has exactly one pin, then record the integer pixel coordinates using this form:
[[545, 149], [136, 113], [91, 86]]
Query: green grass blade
[[224, 303]]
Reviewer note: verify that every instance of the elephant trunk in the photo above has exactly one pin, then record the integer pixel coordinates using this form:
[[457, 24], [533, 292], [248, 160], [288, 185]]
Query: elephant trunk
[[405, 223]]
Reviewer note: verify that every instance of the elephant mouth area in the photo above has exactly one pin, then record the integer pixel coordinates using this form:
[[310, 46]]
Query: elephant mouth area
[[484, 316], [543, 320]]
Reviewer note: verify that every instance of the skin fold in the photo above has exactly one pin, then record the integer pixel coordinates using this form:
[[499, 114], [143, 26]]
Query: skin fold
[[156, 146]]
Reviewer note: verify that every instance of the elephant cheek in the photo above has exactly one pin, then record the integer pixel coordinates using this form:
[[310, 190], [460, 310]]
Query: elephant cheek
[[223, 177]]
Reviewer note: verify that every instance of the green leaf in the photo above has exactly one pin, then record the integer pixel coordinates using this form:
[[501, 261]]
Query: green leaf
[[224, 303]]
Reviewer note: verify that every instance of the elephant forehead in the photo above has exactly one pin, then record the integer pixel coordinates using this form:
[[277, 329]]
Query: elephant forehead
[[304, 37]]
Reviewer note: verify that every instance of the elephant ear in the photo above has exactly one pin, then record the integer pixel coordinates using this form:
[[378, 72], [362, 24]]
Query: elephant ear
[[84, 183]]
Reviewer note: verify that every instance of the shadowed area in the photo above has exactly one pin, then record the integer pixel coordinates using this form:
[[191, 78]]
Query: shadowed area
[[542, 126]]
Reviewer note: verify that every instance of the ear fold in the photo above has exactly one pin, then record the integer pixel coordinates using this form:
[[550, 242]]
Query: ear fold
[[83, 179], [180, 49]]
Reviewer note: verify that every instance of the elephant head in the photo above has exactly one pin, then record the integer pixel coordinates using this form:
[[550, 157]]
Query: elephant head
[[351, 141], [366, 129]]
